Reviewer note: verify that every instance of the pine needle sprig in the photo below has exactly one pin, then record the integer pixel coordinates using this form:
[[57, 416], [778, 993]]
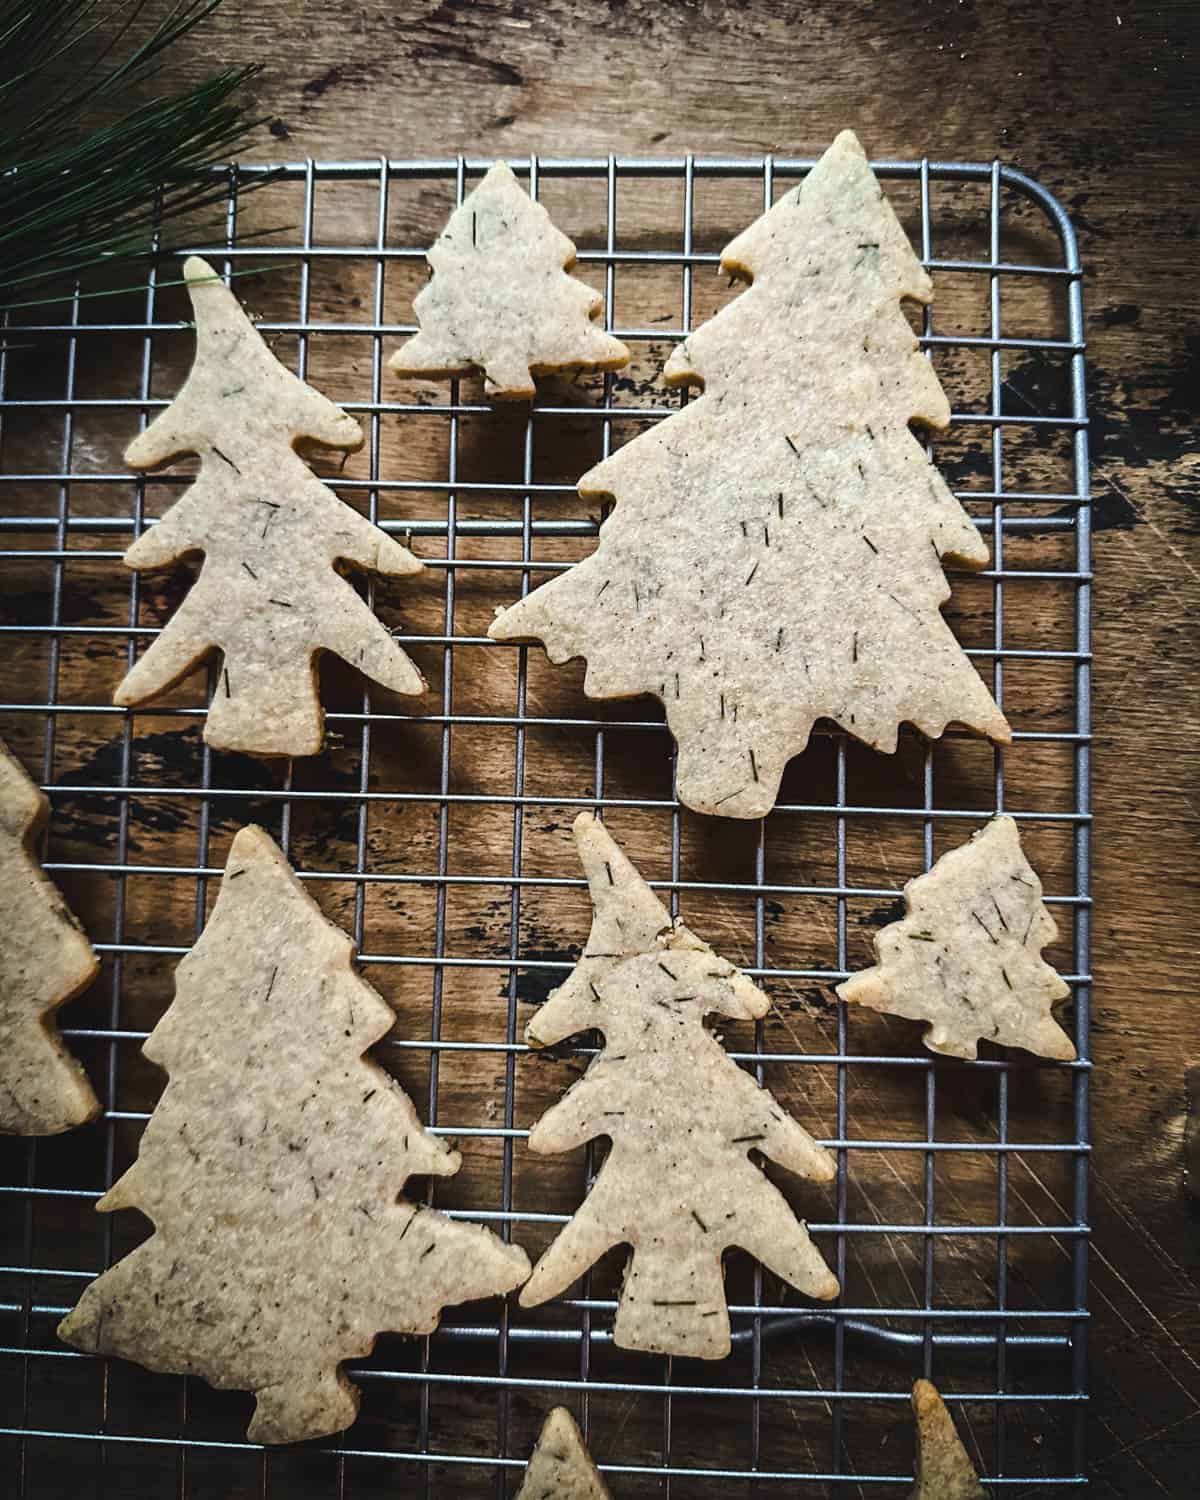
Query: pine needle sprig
[[75, 195]]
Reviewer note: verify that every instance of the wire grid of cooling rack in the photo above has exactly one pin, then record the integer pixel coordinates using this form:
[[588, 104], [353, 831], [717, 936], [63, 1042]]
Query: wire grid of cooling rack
[[916, 1334]]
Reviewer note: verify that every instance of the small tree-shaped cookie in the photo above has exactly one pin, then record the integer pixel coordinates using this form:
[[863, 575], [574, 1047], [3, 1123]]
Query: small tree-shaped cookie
[[776, 552], [272, 1170], [560, 1467], [967, 956], [270, 596], [45, 960], [501, 301], [678, 1185], [944, 1470]]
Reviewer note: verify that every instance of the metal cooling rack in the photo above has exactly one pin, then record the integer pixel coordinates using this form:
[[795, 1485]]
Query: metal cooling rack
[[875, 1350]]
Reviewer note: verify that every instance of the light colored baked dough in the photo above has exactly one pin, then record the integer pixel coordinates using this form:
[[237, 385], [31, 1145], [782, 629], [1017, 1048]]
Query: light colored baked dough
[[45, 960], [561, 1467], [678, 1186], [967, 955], [776, 551], [944, 1471], [272, 1170], [500, 300], [270, 596]]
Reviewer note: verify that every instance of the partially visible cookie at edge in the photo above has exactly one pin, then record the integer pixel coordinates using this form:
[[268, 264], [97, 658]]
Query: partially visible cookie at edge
[[944, 1469], [45, 960], [560, 1467]]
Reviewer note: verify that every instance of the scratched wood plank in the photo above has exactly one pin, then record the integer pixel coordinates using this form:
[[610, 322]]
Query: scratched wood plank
[[1096, 107]]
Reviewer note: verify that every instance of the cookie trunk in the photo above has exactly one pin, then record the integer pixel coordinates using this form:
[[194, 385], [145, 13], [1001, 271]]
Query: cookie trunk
[[673, 1303], [309, 1404], [266, 708], [724, 773]]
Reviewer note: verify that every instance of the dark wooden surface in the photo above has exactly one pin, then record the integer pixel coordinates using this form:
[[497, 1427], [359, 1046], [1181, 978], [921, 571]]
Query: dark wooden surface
[[1097, 100]]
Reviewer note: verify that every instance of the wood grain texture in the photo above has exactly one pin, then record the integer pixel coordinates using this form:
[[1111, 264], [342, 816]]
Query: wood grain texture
[[1096, 99]]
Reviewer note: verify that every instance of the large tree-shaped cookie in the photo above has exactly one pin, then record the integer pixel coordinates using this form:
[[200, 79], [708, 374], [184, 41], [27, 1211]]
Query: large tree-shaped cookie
[[776, 552], [501, 301], [272, 1170], [679, 1184], [560, 1467], [944, 1468], [270, 596], [45, 960], [967, 956]]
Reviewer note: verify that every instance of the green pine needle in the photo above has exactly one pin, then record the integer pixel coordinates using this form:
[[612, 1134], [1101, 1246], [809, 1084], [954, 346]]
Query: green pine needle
[[73, 198]]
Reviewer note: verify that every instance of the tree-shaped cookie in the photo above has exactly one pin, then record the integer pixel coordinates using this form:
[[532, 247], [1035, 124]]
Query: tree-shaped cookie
[[944, 1470], [776, 552], [501, 301], [967, 956], [45, 960], [560, 1467], [270, 596], [272, 1170], [679, 1184]]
